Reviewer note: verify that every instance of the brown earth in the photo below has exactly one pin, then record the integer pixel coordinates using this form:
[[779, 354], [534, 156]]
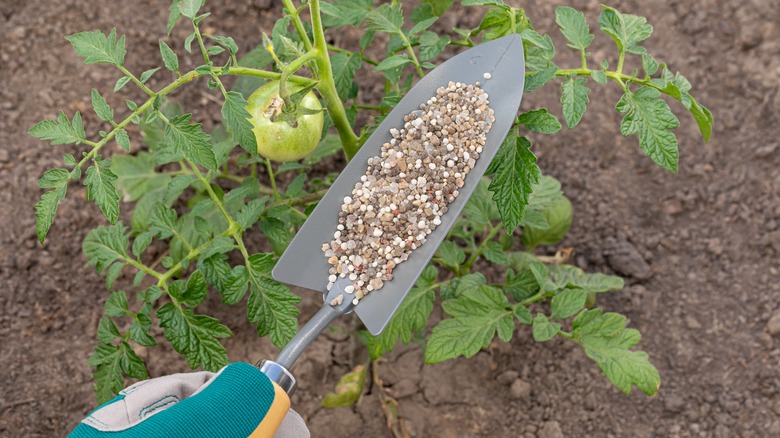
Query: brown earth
[[699, 249]]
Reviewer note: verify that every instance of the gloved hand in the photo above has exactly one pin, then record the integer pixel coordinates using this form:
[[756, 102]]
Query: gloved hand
[[237, 402]]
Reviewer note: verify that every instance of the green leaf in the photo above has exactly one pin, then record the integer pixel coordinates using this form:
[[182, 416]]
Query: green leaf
[[163, 221], [392, 62], [484, 3], [190, 140], [438, 7], [192, 292], [599, 76], [145, 76], [190, 8], [46, 208], [534, 80], [105, 245], [386, 18], [236, 119], [348, 390], [539, 272], [108, 373], [523, 314], [496, 23], [422, 25], [139, 331], [568, 302], [96, 47], [110, 363], [649, 64], [60, 131], [515, 174], [121, 82], [132, 364], [174, 13], [451, 254], [478, 315], [542, 42], [344, 67], [544, 329], [271, 305], [648, 116], [345, 12], [574, 100], [215, 50], [495, 254], [279, 234], [522, 285], [136, 175], [195, 336], [574, 27], [101, 189], [116, 304], [176, 187], [607, 341], [141, 242], [431, 45], [123, 140], [480, 208], [459, 285], [220, 245], [106, 331], [557, 219], [169, 57], [701, 114], [230, 282], [540, 121], [411, 316], [188, 42], [563, 276], [627, 30], [226, 42], [101, 107]]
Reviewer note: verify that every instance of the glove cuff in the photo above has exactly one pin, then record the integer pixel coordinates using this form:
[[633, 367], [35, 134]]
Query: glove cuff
[[231, 404]]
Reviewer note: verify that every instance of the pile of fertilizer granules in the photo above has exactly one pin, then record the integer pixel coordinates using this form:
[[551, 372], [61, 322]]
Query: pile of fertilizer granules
[[406, 190]]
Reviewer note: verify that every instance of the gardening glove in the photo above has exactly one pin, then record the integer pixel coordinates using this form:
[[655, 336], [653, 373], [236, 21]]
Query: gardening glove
[[237, 402]]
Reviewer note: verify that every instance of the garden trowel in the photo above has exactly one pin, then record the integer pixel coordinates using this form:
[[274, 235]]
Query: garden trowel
[[500, 67]]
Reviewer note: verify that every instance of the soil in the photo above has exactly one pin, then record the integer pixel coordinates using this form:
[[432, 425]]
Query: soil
[[699, 249]]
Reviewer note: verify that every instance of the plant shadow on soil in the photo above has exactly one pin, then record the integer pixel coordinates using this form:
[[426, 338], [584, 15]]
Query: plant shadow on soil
[[699, 249]]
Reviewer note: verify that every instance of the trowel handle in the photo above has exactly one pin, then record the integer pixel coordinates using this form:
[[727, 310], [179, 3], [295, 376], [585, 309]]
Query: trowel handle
[[283, 386]]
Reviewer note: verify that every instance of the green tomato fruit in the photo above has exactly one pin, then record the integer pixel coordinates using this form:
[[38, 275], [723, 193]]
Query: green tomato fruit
[[558, 216], [278, 140]]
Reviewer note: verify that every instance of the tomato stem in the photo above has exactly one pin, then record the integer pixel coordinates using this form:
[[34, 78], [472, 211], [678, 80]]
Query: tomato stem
[[296, 20], [272, 177], [327, 86]]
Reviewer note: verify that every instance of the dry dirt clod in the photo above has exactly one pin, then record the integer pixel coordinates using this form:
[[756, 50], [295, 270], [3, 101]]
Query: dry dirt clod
[[405, 190], [520, 390], [773, 326]]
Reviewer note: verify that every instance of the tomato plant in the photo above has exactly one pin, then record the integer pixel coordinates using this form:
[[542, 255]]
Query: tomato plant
[[196, 194]]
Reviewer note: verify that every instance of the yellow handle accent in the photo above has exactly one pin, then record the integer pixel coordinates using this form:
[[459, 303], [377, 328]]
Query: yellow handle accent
[[274, 416]]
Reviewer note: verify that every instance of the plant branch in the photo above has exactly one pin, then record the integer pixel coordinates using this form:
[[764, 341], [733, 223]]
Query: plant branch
[[477, 252], [539, 296], [412, 56], [135, 80], [338, 49], [327, 86], [296, 20], [272, 177], [199, 37], [616, 75], [142, 267]]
